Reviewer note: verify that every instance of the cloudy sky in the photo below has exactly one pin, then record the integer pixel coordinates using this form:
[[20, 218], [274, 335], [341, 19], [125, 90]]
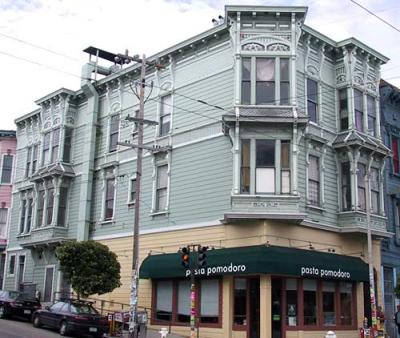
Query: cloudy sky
[[41, 41]]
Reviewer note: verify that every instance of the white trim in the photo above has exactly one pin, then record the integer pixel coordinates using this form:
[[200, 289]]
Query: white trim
[[52, 282], [15, 248], [8, 274], [159, 230], [129, 201]]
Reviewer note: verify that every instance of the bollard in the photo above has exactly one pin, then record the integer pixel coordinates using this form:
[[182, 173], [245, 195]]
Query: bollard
[[163, 332], [330, 334]]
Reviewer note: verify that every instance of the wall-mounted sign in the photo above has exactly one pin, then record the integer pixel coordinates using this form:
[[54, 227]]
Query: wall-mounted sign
[[218, 270]]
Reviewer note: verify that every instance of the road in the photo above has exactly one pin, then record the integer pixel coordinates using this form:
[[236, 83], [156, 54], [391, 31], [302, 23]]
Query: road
[[14, 328]]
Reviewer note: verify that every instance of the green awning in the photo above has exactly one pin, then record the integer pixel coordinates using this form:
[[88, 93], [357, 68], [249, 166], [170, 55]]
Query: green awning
[[260, 259]]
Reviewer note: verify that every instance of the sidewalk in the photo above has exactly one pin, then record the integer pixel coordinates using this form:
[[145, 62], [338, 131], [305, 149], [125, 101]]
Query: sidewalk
[[154, 334]]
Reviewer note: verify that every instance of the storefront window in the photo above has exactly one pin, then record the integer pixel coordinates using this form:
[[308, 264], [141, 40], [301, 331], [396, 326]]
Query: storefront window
[[209, 301], [183, 314], [310, 301], [239, 312], [346, 305], [291, 302], [328, 303], [164, 301]]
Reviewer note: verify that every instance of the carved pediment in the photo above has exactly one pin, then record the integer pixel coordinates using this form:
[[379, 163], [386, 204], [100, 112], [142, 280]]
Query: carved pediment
[[269, 42]]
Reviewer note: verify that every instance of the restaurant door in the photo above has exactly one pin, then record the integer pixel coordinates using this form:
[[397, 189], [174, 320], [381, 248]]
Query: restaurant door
[[254, 308], [276, 312]]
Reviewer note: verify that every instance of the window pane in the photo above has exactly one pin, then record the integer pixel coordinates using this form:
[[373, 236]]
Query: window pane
[[265, 69], [395, 150], [40, 206], [67, 145], [240, 302], [310, 301], [346, 305], [161, 199], [162, 176], [359, 121], [344, 122], [245, 167], [132, 196], [361, 186], [285, 154], [165, 124], [209, 301], [328, 303], [114, 132], [109, 207], [246, 92], [246, 69], [29, 217], [7, 169], [265, 180], [285, 182], [50, 203], [22, 220], [183, 314], [312, 99], [291, 302], [164, 301], [166, 105], [358, 100], [265, 156], [62, 206], [284, 65], [265, 92], [346, 192], [312, 111], [313, 168], [284, 99]]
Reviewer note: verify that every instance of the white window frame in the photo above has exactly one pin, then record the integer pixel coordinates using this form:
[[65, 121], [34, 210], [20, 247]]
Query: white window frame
[[156, 164], [8, 264], [12, 169], [6, 223], [17, 271], [118, 115], [319, 98], [130, 201], [160, 109], [104, 188]]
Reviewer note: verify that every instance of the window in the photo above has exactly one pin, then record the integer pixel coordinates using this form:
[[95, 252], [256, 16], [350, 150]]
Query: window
[[209, 301], [7, 169], [310, 301], [23, 215], [396, 206], [265, 166], [132, 191], [343, 111], [312, 100], [11, 265], [346, 192], [374, 179], [114, 133], [67, 145], [313, 181], [361, 172], [264, 87], [29, 202], [162, 188], [40, 206], [359, 110], [62, 206], [34, 157], [109, 201], [46, 148], [172, 301], [50, 203], [164, 291], [245, 168], [3, 222], [395, 150], [346, 303], [285, 167], [28, 161], [371, 109], [328, 303], [165, 114], [240, 301], [55, 145], [291, 302]]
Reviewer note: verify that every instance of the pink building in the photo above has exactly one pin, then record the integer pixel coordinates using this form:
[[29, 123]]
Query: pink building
[[8, 145]]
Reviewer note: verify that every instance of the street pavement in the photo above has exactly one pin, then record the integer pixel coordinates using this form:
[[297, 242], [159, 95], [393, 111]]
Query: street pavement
[[14, 328]]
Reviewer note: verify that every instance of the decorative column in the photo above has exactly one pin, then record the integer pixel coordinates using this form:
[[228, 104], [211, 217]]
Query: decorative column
[[56, 201]]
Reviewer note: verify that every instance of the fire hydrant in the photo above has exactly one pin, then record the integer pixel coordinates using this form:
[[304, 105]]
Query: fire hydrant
[[164, 331], [330, 334]]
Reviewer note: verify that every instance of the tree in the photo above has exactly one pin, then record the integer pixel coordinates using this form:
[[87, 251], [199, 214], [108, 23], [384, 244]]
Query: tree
[[90, 267]]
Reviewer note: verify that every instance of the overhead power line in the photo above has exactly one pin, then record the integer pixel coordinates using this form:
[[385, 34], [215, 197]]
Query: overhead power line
[[375, 15]]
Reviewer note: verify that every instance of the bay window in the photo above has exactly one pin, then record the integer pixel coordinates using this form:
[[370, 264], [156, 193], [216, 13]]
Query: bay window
[[270, 85], [67, 145], [35, 149], [374, 184], [40, 206], [359, 110], [46, 149], [361, 172], [55, 144], [172, 302], [50, 203], [346, 188], [312, 100], [313, 181], [371, 110], [343, 110], [265, 166], [62, 206]]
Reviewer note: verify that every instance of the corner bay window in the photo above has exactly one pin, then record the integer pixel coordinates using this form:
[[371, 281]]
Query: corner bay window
[[359, 110], [270, 84], [271, 168], [172, 301]]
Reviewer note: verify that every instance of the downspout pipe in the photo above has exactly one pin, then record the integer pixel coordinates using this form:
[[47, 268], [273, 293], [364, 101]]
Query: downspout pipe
[[89, 147]]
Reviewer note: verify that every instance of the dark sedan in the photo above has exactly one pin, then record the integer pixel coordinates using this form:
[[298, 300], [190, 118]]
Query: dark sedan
[[14, 303], [72, 316]]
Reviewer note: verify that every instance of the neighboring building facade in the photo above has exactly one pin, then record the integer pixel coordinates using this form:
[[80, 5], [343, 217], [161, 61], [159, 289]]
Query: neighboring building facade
[[8, 145], [270, 129], [390, 121]]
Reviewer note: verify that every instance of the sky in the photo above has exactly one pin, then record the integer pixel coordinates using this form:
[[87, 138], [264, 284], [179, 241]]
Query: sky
[[41, 41]]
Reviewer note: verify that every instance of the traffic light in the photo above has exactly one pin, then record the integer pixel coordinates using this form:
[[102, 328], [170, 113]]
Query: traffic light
[[202, 256], [185, 257]]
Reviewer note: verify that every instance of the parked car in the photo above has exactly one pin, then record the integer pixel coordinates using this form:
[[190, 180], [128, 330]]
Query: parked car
[[72, 317], [14, 303]]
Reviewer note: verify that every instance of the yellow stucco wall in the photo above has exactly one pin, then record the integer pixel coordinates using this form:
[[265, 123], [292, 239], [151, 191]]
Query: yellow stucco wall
[[252, 233]]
